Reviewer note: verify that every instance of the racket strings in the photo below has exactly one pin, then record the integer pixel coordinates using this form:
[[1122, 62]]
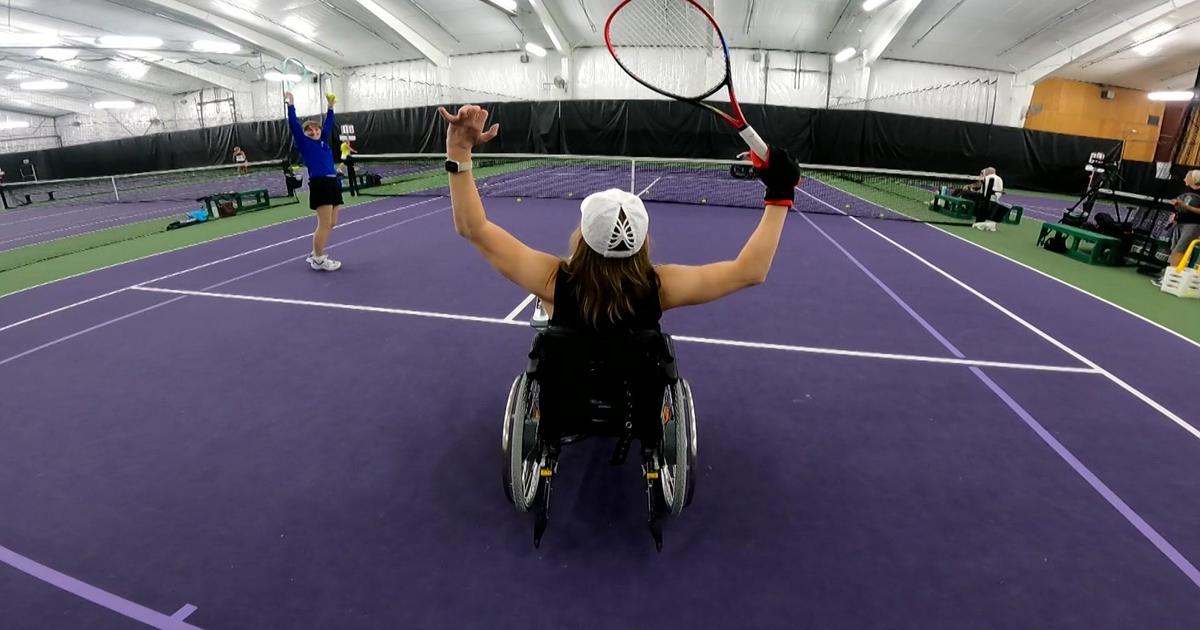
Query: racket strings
[[669, 44]]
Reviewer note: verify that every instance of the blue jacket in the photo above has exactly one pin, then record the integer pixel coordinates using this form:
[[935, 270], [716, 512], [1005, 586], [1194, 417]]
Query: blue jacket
[[316, 154]]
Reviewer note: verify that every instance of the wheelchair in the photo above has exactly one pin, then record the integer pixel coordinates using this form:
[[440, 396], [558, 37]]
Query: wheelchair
[[624, 386]]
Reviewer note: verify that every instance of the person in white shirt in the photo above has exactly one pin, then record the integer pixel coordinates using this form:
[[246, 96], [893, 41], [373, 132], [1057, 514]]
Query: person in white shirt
[[987, 200]]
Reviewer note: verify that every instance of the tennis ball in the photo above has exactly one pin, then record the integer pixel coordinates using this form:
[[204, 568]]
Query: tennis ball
[[702, 200], [520, 199]]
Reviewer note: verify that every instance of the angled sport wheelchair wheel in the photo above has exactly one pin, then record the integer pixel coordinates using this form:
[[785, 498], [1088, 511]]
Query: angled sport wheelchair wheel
[[677, 473], [522, 445]]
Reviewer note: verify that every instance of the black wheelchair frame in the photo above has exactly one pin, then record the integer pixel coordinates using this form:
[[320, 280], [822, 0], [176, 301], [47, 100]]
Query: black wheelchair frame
[[622, 385]]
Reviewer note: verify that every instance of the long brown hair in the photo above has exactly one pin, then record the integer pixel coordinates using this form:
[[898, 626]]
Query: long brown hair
[[608, 288]]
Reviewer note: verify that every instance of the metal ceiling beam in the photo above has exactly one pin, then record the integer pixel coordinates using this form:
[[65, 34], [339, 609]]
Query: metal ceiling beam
[[196, 70], [48, 100], [88, 80], [408, 33], [253, 36], [897, 16], [1107, 37], [30, 110], [115, 85], [552, 29]]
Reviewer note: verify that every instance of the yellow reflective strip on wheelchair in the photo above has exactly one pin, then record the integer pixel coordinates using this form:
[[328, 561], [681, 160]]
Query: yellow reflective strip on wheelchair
[[546, 472], [652, 475]]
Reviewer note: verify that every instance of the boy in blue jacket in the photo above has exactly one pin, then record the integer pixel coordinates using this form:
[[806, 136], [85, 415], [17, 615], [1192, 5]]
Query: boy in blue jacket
[[324, 189]]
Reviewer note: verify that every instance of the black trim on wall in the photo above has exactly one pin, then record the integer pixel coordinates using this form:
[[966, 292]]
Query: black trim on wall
[[651, 128]]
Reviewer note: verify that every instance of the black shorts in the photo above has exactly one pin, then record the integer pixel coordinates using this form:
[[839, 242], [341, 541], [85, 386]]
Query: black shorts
[[324, 191]]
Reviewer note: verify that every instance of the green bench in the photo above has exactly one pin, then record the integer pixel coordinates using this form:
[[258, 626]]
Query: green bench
[[953, 206], [960, 208], [244, 201], [1014, 214], [1105, 250]]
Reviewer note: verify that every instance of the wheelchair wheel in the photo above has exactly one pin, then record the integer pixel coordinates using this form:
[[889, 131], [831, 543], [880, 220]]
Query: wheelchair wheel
[[522, 446], [677, 474]]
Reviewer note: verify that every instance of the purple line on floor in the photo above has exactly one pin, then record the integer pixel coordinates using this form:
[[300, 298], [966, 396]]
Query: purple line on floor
[[91, 593]]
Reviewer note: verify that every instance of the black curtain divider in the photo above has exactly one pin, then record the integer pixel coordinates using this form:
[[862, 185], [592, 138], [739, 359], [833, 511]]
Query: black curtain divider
[[645, 128]]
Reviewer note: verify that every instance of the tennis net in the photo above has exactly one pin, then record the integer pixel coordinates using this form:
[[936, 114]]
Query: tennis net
[[48, 219], [844, 191], [177, 185]]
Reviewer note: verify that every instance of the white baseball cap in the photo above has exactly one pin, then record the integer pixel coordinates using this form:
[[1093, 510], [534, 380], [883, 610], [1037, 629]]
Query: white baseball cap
[[614, 223]]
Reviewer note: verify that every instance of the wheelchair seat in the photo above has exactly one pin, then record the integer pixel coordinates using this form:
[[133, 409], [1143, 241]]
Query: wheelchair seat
[[597, 384], [623, 385]]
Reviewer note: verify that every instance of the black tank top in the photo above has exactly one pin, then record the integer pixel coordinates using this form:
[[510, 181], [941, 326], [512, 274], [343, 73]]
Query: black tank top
[[647, 310]]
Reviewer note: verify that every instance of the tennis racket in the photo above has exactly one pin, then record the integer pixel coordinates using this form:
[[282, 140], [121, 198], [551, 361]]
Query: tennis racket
[[675, 48]]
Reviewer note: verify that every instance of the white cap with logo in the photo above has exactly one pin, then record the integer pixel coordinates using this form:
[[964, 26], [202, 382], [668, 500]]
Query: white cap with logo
[[614, 223]]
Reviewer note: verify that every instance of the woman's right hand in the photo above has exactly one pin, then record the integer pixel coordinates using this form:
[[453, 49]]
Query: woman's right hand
[[465, 130], [289, 98]]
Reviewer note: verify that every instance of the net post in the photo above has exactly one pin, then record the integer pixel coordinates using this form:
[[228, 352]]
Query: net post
[[633, 176], [116, 195]]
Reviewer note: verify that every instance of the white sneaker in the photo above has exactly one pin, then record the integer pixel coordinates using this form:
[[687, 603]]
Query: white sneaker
[[310, 258], [979, 226], [324, 263], [990, 226]]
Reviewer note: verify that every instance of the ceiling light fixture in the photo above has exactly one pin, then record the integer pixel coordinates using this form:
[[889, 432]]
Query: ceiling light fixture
[[43, 84], [277, 76], [214, 46], [131, 69], [14, 124], [845, 55], [535, 50], [123, 41], [114, 105], [57, 54], [509, 6], [1171, 96], [27, 40], [300, 26]]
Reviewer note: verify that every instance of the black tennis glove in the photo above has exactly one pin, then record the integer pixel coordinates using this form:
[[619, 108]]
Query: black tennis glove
[[781, 175]]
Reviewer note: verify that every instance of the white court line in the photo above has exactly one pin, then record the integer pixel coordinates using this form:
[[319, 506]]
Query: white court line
[[205, 242], [647, 189], [520, 307], [333, 305], [219, 238], [1143, 318], [190, 269], [1016, 318], [222, 283], [698, 340], [165, 212]]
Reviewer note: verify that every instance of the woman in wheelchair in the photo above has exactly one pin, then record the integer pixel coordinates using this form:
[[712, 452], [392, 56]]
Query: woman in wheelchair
[[605, 301]]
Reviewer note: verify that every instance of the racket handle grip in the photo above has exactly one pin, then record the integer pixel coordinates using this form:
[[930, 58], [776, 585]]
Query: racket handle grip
[[756, 144]]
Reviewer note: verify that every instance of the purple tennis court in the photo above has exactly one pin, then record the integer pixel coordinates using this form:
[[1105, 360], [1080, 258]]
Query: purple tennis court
[[899, 429]]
